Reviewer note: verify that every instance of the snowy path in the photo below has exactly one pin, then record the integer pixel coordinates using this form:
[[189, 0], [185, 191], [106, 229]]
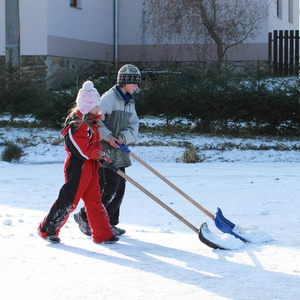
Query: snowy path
[[159, 257]]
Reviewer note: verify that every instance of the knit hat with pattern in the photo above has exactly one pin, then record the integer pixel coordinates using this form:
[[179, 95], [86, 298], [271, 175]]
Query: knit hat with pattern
[[129, 74], [87, 98]]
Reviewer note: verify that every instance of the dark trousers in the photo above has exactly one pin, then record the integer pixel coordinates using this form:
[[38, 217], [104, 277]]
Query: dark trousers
[[112, 187]]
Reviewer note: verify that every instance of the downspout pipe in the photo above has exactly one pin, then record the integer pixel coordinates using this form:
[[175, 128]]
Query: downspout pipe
[[144, 36], [12, 32], [116, 34]]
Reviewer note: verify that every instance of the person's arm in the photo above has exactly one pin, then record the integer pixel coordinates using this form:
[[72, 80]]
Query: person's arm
[[130, 133], [81, 145]]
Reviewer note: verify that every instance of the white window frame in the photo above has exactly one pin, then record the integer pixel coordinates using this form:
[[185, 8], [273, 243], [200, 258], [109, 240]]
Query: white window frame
[[279, 8]]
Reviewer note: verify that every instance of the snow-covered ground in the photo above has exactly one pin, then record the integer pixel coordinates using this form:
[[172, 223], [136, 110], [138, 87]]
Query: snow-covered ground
[[159, 257]]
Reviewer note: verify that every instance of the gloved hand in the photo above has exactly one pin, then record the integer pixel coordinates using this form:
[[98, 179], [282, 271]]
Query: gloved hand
[[104, 161]]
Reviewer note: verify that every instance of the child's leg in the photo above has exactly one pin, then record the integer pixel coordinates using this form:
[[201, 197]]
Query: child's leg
[[60, 210], [78, 177], [112, 189], [96, 212]]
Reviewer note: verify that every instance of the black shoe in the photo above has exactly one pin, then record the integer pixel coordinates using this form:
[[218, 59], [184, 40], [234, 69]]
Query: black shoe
[[83, 225], [53, 239], [118, 231], [112, 240]]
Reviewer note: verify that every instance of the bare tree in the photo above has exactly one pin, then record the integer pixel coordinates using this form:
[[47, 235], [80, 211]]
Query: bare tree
[[222, 23]]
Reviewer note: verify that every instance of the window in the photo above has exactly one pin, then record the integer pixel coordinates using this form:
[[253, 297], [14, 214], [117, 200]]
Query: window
[[75, 3], [291, 11], [279, 8]]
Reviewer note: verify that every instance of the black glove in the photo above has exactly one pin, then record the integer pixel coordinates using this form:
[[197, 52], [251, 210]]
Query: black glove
[[104, 161]]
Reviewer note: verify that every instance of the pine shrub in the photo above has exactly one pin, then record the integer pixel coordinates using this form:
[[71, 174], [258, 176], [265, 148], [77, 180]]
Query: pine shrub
[[190, 155], [11, 152]]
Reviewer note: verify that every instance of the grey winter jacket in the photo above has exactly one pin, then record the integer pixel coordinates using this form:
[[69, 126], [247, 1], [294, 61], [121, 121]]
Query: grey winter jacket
[[118, 120]]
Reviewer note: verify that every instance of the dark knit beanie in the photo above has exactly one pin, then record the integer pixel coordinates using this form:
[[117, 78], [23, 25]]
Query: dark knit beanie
[[129, 74]]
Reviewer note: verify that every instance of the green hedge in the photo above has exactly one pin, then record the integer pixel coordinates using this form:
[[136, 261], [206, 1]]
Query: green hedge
[[232, 102], [248, 101]]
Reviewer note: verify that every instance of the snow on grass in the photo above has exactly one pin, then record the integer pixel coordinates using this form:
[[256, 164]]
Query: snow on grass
[[159, 257]]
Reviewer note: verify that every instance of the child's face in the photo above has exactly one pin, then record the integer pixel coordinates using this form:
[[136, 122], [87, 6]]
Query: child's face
[[95, 110], [131, 88]]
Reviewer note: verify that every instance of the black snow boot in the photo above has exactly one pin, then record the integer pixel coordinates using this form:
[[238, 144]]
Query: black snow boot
[[118, 231], [82, 221], [112, 240], [53, 239]]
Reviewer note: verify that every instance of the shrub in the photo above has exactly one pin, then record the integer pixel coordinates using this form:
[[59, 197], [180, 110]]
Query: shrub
[[11, 152], [53, 107], [236, 101], [190, 155], [18, 94], [162, 94]]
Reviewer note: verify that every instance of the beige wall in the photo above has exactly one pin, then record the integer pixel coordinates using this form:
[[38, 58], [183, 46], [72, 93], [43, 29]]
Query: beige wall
[[191, 53], [33, 27], [52, 27], [131, 37], [85, 33], [67, 47], [57, 36], [93, 22]]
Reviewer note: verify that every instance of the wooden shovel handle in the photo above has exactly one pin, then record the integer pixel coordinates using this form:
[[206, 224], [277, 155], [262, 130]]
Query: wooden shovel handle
[[172, 185], [174, 213]]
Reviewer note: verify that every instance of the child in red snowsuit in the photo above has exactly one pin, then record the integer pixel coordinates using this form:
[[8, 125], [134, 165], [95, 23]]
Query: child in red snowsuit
[[82, 138]]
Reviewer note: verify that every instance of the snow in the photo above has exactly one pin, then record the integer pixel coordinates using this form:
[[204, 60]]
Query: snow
[[159, 257]]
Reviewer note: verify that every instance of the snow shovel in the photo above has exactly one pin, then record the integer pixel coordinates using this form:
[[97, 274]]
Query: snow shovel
[[220, 221], [203, 232]]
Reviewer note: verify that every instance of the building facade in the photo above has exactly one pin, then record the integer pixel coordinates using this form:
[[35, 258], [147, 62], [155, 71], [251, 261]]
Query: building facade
[[61, 37]]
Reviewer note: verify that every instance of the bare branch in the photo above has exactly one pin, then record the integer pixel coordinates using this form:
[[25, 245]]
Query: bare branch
[[225, 23]]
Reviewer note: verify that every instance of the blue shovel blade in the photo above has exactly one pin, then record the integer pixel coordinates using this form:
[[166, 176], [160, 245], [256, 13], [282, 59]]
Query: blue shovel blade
[[225, 225], [221, 217]]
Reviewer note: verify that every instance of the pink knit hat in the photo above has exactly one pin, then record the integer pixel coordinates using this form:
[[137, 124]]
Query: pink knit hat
[[87, 97]]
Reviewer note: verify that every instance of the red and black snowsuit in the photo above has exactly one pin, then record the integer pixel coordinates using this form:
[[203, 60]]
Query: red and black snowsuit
[[81, 182]]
